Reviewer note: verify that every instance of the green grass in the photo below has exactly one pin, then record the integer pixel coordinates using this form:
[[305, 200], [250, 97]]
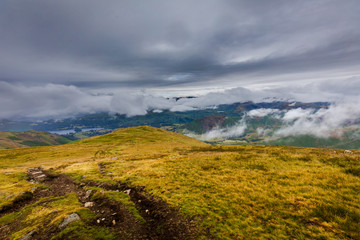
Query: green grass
[[233, 192], [122, 198], [10, 140]]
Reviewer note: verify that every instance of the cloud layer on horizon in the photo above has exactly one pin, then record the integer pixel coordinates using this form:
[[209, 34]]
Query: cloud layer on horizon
[[60, 101]]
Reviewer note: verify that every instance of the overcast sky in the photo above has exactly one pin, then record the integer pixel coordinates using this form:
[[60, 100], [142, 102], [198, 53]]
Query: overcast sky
[[96, 49]]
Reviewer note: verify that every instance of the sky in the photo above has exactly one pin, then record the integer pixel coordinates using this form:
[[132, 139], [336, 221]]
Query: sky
[[60, 58]]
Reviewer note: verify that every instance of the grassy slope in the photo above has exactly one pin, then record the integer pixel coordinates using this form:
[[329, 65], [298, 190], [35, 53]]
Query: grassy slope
[[29, 139], [235, 192]]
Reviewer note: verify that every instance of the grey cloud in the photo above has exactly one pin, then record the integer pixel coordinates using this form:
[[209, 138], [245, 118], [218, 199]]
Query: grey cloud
[[145, 44], [60, 101]]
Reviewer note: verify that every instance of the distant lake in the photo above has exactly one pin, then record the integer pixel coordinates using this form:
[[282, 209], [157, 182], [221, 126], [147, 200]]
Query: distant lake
[[68, 131]]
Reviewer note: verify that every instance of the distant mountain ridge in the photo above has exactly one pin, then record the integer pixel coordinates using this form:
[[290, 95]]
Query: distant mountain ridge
[[260, 124], [30, 139]]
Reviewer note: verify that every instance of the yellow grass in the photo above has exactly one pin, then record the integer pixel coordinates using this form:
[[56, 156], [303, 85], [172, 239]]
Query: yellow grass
[[234, 192]]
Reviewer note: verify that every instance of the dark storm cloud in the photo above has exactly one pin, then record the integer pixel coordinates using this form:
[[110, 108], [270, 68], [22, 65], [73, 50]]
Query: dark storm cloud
[[53, 54], [162, 43]]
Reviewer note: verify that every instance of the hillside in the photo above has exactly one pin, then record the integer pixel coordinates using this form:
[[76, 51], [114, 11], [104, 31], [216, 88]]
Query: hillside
[[30, 139], [148, 183]]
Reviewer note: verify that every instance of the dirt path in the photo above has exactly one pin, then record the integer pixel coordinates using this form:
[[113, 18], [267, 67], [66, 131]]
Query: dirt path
[[161, 221]]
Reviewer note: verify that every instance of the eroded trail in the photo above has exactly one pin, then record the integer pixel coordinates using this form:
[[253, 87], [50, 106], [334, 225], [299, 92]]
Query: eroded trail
[[141, 216]]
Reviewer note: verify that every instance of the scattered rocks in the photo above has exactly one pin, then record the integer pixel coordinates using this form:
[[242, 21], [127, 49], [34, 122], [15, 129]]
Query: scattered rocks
[[89, 204], [72, 218], [36, 174]]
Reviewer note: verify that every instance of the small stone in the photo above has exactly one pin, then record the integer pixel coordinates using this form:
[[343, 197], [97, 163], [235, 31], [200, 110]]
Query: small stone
[[89, 204], [103, 219], [102, 211], [139, 201], [127, 191], [33, 189], [113, 222], [88, 193], [13, 195], [147, 211], [113, 214], [72, 218], [98, 221], [84, 176], [27, 236]]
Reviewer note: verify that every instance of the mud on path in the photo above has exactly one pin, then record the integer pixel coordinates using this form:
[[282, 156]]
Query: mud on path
[[161, 221]]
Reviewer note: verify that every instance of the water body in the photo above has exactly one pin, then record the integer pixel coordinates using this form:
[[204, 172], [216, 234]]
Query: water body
[[68, 131]]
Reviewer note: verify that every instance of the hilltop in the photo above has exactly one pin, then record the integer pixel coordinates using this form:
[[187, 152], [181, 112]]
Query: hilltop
[[148, 183], [30, 139]]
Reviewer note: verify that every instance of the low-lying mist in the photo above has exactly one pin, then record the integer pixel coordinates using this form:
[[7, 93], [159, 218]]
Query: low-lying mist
[[333, 121]]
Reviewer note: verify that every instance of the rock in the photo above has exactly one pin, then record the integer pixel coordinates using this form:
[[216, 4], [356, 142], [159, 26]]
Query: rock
[[34, 189], [139, 201], [98, 221], [88, 193], [72, 218], [27, 236], [127, 191], [147, 211], [103, 219], [348, 151], [113, 222], [84, 176], [89, 204], [13, 195]]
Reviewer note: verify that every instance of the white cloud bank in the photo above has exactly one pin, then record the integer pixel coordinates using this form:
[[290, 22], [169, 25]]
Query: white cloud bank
[[222, 133], [322, 123], [262, 112], [60, 101]]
